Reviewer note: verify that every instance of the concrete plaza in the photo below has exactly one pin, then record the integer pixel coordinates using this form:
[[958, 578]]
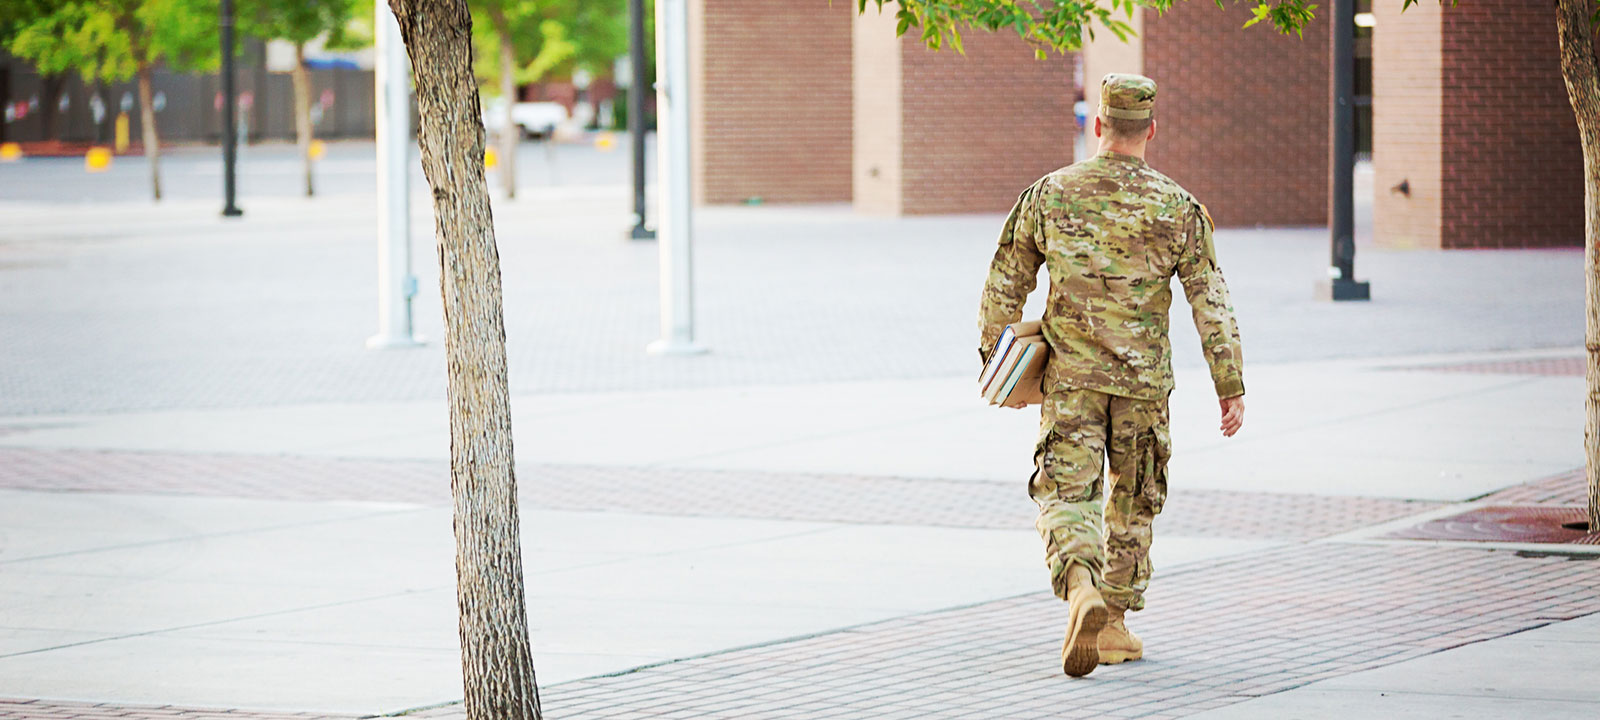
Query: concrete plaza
[[212, 497]]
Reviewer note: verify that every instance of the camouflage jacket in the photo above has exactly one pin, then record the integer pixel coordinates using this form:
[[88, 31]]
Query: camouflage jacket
[[1113, 232]]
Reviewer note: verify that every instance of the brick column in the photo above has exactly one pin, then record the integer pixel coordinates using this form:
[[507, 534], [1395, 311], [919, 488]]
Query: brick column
[[771, 100], [1470, 113], [942, 132], [1406, 100], [1242, 114]]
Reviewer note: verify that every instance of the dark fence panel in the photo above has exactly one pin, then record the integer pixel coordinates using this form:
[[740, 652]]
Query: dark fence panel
[[187, 109]]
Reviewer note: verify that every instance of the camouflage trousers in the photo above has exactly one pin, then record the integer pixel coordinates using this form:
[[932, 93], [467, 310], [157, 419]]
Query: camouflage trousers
[[1081, 433]]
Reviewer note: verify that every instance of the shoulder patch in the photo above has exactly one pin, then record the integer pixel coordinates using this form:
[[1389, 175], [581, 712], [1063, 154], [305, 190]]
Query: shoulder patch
[[1207, 214]]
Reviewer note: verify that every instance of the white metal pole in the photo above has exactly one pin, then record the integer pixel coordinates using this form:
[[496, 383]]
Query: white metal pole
[[396, 284], [675, 233]]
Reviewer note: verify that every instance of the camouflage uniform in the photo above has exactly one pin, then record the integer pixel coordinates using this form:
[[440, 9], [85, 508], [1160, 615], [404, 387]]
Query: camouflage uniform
[[1112, 232]]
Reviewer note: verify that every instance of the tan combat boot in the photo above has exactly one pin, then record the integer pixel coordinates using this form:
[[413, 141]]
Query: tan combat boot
[[1080, 652], [1117, 643]]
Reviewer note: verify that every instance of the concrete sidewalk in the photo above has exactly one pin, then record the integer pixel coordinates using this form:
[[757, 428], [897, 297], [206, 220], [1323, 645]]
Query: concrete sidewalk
[[1547, 672], [211, 497]]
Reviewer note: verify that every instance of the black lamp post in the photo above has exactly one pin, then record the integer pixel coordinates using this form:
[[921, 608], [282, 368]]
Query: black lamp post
[[636, 97], [230, 143], [1342, 283]]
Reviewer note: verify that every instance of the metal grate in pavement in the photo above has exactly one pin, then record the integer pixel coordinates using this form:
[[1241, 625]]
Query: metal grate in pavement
[[1514, 523]]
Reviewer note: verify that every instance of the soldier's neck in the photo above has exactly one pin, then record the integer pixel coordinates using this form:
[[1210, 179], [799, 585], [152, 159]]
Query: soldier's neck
[[1121, 148]]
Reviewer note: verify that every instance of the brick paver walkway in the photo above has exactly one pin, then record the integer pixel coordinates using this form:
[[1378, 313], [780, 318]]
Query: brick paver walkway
[[672, 491], [1218, 632], [21, 709]]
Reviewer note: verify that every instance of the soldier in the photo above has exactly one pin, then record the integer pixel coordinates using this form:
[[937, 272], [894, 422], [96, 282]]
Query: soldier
[[1112, 232]]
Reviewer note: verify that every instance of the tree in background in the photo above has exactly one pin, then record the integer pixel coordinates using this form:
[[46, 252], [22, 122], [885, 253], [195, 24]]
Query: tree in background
[[1059, 25], [113, 40], [14, 16], [299, 22], [526, 39]]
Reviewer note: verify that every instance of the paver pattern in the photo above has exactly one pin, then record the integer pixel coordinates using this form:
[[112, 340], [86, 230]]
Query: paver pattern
[[1216, 633], [24, 709], [1568, 488], [1553, 366], [673, 491]]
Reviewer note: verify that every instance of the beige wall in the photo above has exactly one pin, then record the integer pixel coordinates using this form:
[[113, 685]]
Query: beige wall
[[1407, 61], [1105, 55], [876, 168]]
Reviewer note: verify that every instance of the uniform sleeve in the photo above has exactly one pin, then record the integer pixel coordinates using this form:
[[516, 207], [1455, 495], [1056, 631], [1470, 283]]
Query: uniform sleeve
[[1013, 273], [1213, 309]]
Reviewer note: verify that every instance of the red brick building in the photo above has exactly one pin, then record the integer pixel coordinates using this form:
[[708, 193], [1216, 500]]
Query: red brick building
[[803, 101], [1475, 145]]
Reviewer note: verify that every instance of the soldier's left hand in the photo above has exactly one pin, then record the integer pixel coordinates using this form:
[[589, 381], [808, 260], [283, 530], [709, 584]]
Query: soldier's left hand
[[1232, 415]]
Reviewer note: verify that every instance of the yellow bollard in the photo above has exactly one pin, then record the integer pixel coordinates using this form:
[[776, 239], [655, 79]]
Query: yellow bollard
[[317, 150], [97, 160], [490, 158], [10, 152], [122, 132], [606, 141]]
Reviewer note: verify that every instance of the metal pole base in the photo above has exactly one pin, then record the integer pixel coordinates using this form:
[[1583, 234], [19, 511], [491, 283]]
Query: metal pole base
[[1342, 290], [640, 232], [231, 211], [676, 347], [394, 342]]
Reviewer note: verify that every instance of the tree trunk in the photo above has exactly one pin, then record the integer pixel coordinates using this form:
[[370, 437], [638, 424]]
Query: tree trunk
[[301, 79], [147, 130], [509, 132], [497, 664], [103, 128], [51, 122], [1579, 70]]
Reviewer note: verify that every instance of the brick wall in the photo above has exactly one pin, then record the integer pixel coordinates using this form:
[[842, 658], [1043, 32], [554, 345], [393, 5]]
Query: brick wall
[[978, 128], [772, 100], [1406, 97], [1241, 113], [1509, 143]]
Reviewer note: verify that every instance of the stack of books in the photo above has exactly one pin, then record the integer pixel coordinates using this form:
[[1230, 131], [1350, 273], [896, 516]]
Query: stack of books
[[1015, 371]]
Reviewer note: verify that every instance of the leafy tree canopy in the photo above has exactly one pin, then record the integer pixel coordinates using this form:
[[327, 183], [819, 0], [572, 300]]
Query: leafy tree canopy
[[551, 37], [1059, 25], [301, 21], [110, 40]]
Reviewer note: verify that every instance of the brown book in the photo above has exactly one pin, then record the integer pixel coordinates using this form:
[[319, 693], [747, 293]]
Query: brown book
[[997, 354], [1024, 347], [1027, 378]]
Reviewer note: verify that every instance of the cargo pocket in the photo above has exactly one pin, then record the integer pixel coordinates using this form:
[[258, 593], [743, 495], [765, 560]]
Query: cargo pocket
[[1039, 485], [1155, 449]]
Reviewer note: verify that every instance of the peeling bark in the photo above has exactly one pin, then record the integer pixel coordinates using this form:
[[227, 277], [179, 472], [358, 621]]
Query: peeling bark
[[1582, 76], [496, 661]]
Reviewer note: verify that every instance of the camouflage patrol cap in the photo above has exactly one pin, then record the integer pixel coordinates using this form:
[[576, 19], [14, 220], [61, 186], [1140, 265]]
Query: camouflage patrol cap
[[1127, 96]]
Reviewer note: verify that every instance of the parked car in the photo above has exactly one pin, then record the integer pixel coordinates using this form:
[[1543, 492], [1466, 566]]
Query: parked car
[[533, 119]]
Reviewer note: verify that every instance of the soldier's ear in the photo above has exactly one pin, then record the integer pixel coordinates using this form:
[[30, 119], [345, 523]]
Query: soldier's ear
[[1097, 129], [1152, 134]]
